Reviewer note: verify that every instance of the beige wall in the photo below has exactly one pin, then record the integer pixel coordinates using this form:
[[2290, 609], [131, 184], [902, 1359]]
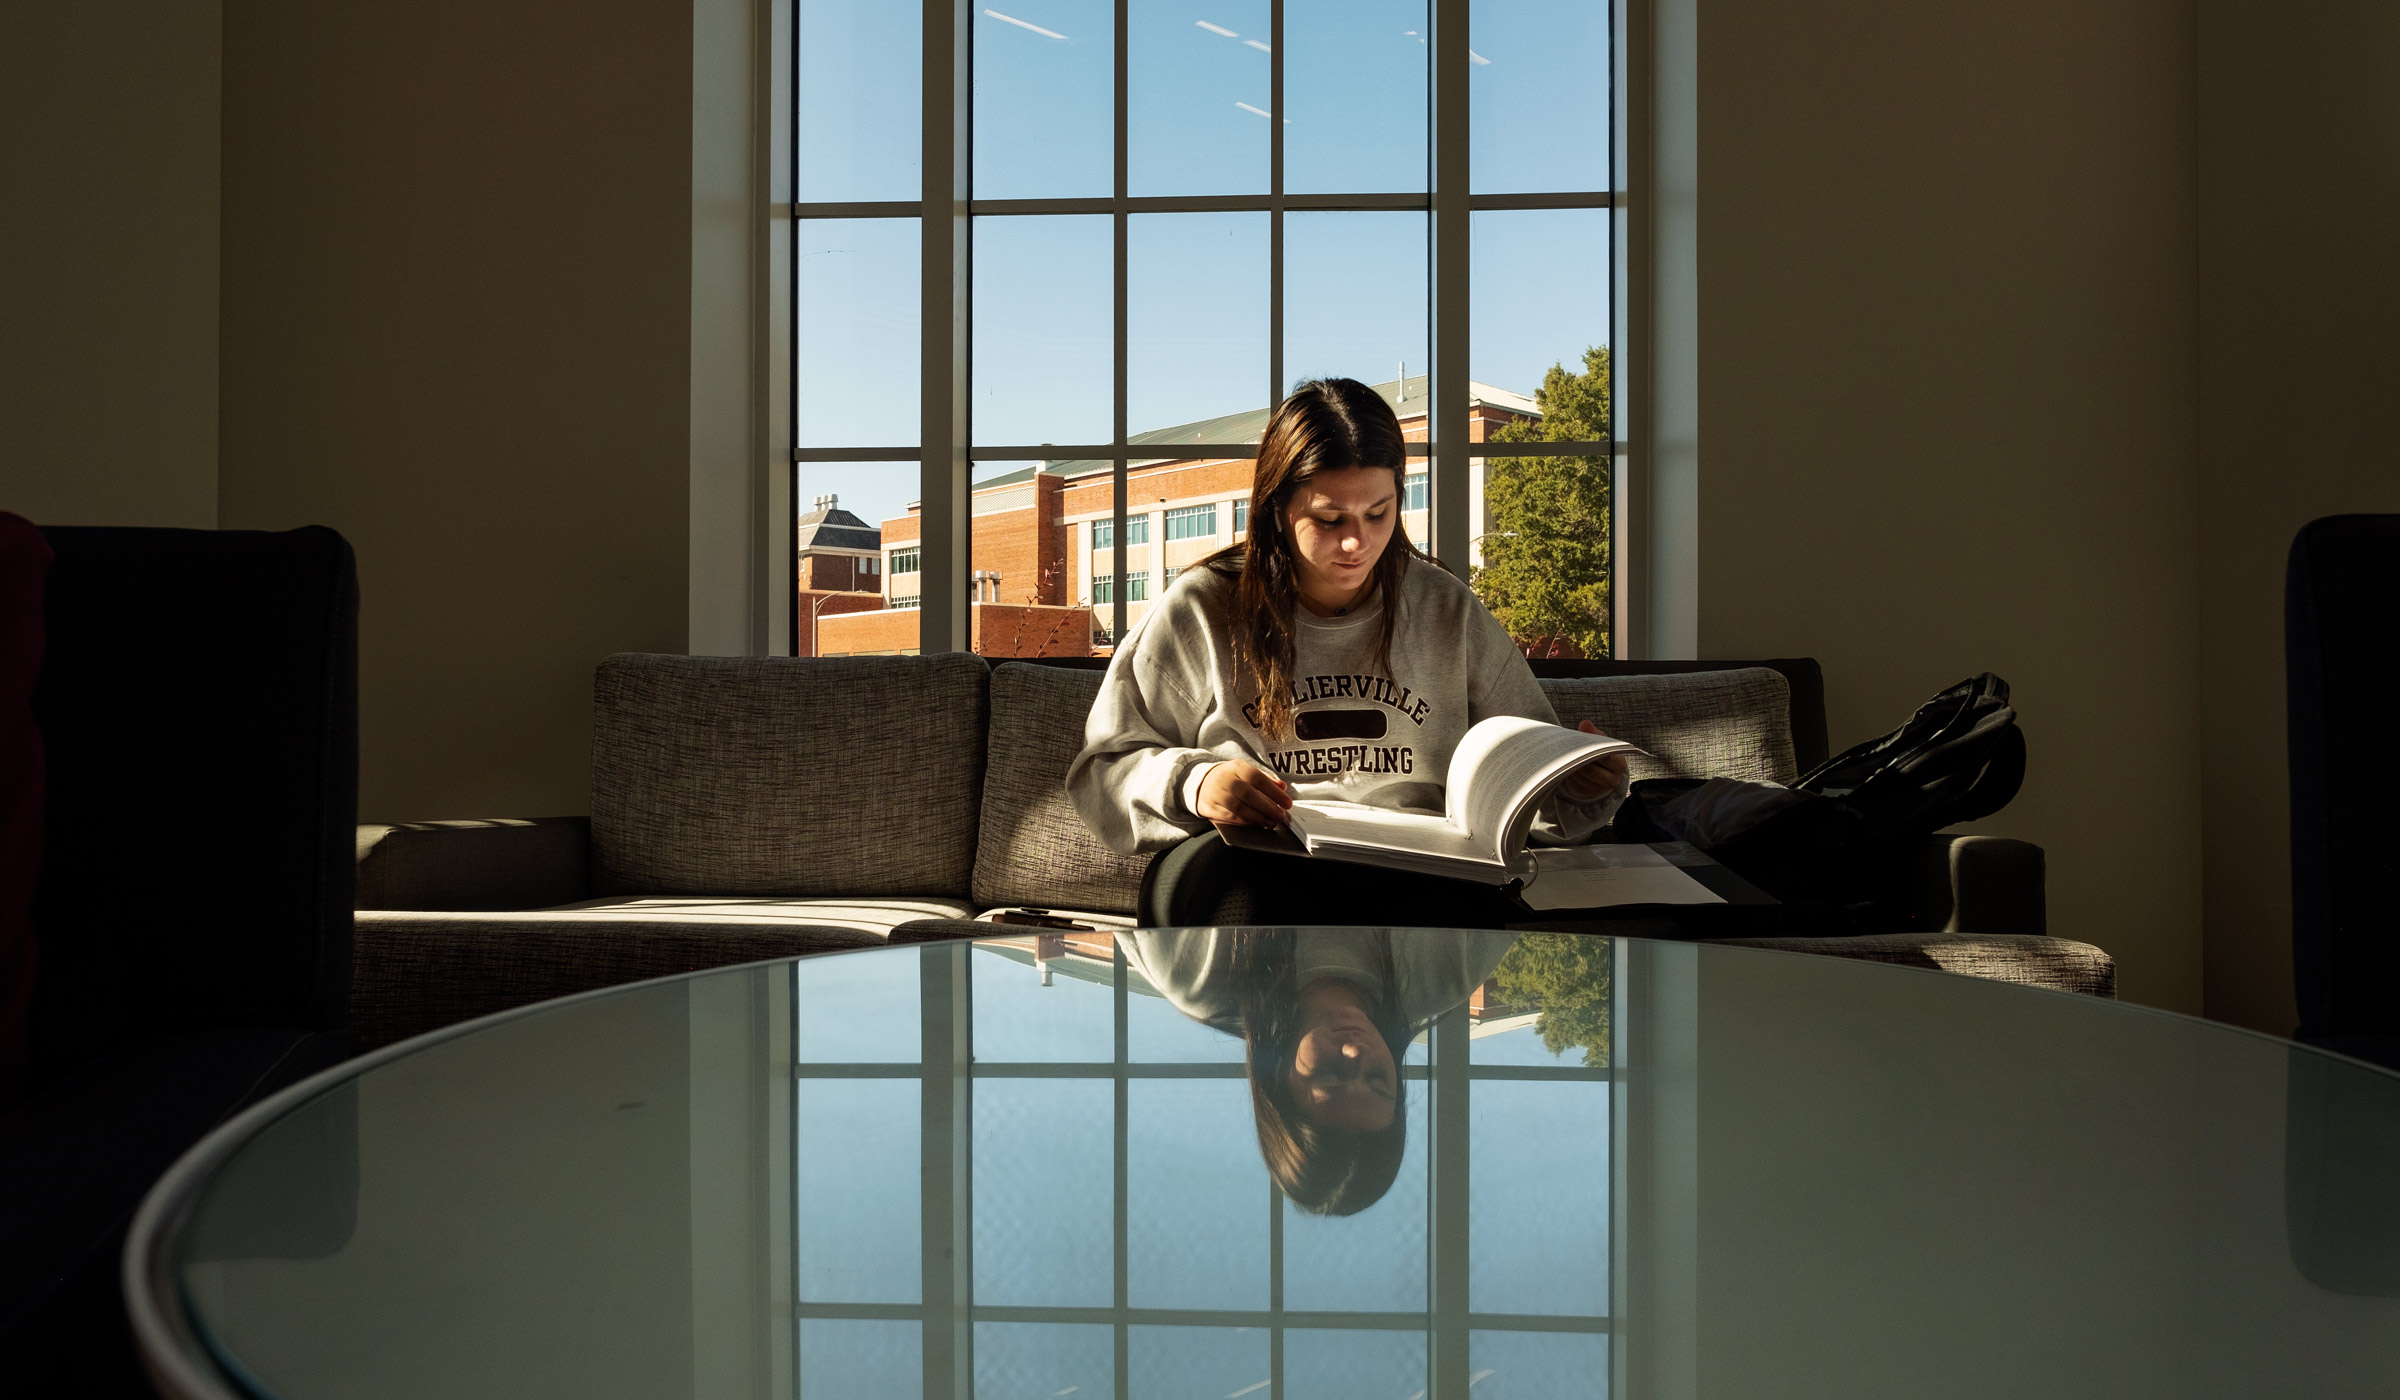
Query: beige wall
[[108, 263], [1948, 406], [456, 290], [2299, 376]]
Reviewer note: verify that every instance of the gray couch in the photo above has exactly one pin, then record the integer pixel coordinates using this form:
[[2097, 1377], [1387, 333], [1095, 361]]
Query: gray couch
[[745, 809]]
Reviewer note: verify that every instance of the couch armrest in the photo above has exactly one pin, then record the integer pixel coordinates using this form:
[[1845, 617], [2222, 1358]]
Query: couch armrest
[[489, 865], [1980, 884]]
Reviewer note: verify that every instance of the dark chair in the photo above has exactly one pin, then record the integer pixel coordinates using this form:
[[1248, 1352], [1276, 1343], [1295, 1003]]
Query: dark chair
[[2341, 618], [198, 703]]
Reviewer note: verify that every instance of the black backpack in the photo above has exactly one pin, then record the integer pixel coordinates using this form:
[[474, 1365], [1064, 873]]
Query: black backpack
[[1841, 860]]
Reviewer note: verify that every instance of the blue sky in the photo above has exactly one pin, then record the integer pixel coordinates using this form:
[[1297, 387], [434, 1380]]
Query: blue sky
[[1198, 124]]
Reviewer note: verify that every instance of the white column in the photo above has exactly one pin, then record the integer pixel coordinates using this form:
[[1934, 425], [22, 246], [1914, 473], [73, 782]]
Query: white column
[[1158, 552]]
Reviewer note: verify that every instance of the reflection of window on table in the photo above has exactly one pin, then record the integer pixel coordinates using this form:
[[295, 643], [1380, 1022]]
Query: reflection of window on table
[[1125, 1233]]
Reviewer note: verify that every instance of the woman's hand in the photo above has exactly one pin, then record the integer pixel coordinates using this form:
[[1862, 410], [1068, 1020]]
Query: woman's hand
[[1596, 779], [1240, 793]]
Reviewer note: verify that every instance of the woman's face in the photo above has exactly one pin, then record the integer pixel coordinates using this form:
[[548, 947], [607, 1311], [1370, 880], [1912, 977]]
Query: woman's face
[[1342, 1073], [1340, 521]]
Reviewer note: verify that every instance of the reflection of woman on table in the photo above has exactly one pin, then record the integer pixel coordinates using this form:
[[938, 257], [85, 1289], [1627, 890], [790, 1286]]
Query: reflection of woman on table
[[1325, 1018]]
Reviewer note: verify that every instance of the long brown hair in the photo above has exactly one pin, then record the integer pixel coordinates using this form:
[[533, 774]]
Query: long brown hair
[[1326, 425], [1323, 1171]]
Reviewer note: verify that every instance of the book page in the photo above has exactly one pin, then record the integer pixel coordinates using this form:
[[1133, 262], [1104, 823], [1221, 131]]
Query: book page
[[1322, 823], [1499, 770], [1593, 877]]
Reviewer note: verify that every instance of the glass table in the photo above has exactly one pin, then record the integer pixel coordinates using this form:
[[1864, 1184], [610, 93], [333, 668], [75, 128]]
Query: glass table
[[1038, 1167]]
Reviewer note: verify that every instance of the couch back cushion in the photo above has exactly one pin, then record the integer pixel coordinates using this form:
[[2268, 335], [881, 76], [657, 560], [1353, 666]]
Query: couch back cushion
[[783, 776], [1034, 848], [1700, 724]]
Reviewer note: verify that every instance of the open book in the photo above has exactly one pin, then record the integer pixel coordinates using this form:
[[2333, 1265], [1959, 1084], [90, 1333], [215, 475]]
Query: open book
[[1499, 775]]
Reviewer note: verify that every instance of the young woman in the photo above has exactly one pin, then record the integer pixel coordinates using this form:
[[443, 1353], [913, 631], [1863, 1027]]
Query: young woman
[[1323, 657], [1325, 1017]]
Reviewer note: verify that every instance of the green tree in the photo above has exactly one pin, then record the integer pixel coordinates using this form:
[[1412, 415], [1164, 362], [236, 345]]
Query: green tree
[[1546, 561], [1566, 978]]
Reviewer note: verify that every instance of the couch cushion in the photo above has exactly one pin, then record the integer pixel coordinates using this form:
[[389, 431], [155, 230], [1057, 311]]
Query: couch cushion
[[2060, 964], [1702, 724], [870, 916], [1034, 849], [748, 775]]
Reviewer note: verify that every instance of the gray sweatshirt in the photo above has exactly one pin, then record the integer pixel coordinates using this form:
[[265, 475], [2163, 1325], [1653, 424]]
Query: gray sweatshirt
[[1175, 704]]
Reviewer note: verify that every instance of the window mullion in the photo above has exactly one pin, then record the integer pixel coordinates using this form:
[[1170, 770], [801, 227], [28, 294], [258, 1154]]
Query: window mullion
[[1275, 205], [1446, 179], [943, 362], [1120, 215]]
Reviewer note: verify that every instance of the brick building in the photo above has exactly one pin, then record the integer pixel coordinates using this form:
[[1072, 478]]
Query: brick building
[[1043, 549], [840, 567]]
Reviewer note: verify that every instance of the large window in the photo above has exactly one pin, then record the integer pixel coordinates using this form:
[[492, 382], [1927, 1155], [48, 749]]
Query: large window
[[1062, 275]]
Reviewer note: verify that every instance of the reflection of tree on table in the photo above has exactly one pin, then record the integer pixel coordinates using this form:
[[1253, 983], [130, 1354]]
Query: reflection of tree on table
[[1566, 978]]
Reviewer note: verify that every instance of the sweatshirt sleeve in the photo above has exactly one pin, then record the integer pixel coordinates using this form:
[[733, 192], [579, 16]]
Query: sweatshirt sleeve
[[1138, 746], [1505, 685]]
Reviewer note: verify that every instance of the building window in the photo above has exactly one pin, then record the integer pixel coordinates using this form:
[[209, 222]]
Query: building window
[[1412, 491], [1137, 587], [1241, 519], [1137, 531], [1265, 173], [1192, 522], [904, 561], [908, 600], [1104, 589]]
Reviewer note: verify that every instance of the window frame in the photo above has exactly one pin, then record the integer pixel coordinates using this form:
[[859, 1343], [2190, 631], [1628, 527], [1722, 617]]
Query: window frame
[[945, 452]]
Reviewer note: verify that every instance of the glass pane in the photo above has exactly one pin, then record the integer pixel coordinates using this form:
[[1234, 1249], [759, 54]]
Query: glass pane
[[856, 533], [1021, 580], [1044, 353], [1538, 85], [860, 1210], [860, 1011], [1200, 1362], [1373, 1261], [1043, 1160], [855, 346], [1044, 1359], [1196, 326], [1547, 1003], [1542, 527], [1541, 553], [1197, 1204], [1354, 296], [1157, 1033], [1045, 89], [845, 1357], [860, 96], [1378, 1364], [1538, 1365], [1551, 1260], [1354, 91], [1195, 89], [1515, 337], [1021, 1015]]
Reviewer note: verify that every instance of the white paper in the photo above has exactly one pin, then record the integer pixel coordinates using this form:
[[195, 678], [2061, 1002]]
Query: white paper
[[1591, 877]]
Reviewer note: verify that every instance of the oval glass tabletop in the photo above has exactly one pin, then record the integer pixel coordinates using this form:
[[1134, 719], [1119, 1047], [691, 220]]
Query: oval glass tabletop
[[1255, 1164]]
